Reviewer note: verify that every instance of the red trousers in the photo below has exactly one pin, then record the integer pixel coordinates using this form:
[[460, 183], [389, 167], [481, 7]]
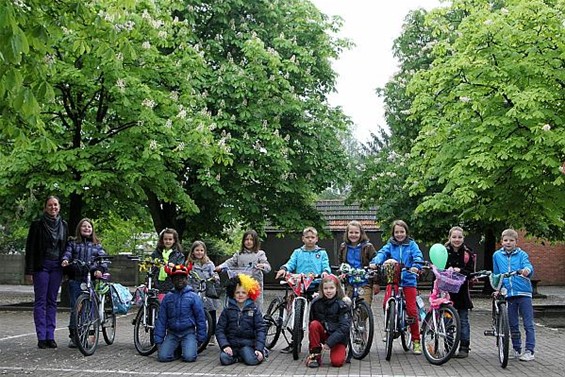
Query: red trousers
[[318, 335], [410, 294]]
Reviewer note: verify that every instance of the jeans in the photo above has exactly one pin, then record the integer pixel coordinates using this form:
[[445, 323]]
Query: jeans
[[46, 284], [465, 326], [521, 306], [246, 353], [74, 292], [187, 341]]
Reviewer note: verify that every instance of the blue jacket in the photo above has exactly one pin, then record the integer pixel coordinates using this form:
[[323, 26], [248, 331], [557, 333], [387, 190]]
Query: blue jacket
[[181, 311], [517, 259], [238, 327], [85, 251], [407, 253], [334, 315], [308, 261]]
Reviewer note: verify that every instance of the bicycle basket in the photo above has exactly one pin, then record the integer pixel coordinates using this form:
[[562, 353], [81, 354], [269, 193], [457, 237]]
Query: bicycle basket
[[391, 273], [495, 281], [449, 280]]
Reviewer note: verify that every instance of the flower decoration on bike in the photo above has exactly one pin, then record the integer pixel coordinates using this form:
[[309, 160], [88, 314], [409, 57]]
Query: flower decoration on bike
[[391, 273], [354, 275], [148, 263]]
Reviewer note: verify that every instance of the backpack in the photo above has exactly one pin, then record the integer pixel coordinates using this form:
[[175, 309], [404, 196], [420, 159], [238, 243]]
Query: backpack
[[121, 298]]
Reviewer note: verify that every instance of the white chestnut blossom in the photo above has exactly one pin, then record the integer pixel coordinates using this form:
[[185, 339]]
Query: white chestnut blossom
[[148, 102], [546, 127], [146, 45]]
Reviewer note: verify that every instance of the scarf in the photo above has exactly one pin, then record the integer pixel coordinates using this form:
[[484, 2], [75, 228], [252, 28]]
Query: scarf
[[54, 228]]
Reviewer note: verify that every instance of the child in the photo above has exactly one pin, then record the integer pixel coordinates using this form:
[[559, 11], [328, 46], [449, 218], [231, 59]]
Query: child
[[507, 259], [402, 249], [169, 250], [330, 321], [85, 247], [204, 268], [462, 260], [357, 251], [181, 320], [250, 254], [241, 329], [308, 259]]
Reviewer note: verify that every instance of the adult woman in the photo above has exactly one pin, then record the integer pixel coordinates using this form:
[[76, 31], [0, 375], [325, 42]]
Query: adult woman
[[44, 248]]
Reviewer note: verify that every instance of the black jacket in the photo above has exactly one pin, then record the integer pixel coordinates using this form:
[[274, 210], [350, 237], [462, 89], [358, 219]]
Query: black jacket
[[335, 316], [465, 260], [36, 245]]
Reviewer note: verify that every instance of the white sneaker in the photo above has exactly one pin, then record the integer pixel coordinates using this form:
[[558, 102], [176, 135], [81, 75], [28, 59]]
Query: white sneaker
[[517, 354], [527, 356]]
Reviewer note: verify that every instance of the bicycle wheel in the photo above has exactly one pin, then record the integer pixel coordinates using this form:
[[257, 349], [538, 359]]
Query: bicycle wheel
[[361, 331], [273, 322], [503, 335], [109, 324], [390, 320], [210, 330], [441, 331], [86, 317], [297, 330], [406, 337], [143, 332]]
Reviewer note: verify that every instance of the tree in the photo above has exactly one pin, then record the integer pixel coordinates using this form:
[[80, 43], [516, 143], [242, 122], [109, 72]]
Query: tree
[[491, 105], [203, 113]]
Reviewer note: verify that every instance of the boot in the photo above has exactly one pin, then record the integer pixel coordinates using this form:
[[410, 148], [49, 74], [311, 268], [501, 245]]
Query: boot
[[463, 350], [72, 338]]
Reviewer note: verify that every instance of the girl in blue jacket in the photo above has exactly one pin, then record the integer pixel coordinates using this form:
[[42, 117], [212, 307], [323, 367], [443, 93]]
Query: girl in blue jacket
[[241, 330], [402, 249]]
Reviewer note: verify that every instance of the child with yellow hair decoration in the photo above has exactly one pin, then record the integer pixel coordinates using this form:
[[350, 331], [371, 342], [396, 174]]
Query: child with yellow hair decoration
[[240, 331]]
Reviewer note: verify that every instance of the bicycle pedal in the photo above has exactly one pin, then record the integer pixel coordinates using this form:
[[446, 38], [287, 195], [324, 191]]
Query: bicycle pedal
[[489, 332]]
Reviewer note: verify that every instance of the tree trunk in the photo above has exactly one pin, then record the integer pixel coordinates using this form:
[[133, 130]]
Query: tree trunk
[[490, 248], [75, 212]]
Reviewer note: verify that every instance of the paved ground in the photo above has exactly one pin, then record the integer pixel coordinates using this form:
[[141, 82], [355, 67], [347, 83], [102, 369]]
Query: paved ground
[[20, 356]]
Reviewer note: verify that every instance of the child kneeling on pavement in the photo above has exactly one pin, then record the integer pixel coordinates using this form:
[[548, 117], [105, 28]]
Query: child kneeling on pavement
[[330, 321], [181, 321], [241, 330]]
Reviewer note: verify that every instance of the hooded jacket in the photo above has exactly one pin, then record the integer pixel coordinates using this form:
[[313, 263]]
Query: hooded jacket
[[239, 327], [304, 261], [515, 260], [407, 253], [181, 311]]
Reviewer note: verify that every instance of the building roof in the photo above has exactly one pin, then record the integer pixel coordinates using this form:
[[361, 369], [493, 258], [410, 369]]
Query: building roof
[[338, 214]]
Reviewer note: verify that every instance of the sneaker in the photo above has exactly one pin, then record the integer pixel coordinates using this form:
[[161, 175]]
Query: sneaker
[[42, 344], [313, 360], [517, 354], [287, 349], [527, 356], [72, 343], [416, 348], [50, 343]]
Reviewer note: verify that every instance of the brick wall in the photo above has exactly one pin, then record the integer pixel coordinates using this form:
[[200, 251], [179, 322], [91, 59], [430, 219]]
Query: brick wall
[[548, 259]]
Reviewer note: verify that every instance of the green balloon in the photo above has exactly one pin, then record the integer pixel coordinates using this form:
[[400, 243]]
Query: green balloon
[[438, 255]]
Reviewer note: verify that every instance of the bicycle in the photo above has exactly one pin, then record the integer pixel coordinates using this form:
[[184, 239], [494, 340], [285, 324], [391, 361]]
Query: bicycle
[[441, 327], [201, 290], [146, 297], [290, 312], [362, 320], [397, 322], [500, 326], [93, 309]]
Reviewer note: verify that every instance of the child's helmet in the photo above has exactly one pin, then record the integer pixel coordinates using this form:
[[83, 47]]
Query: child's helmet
[[178, 269]]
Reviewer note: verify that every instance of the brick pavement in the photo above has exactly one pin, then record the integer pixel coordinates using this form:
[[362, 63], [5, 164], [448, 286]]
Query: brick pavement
[[20, 356]]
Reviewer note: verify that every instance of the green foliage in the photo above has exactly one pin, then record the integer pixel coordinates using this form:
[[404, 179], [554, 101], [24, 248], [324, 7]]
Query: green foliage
[[119, 235]]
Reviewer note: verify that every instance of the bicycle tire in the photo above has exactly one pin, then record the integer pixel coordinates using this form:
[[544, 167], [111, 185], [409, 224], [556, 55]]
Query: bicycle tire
[[390, 322], [87, 322], [273, 322], [503, 335], [362, 330], [109, 324], [210, 330], [406, 338], [297, 330], [439, 344], [144, 335]]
